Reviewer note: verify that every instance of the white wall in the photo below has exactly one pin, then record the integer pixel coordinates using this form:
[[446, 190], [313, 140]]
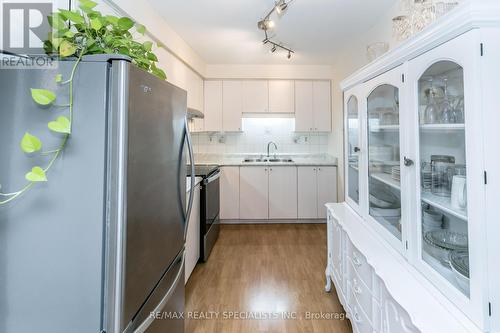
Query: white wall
[[350, 59], [183, 66]]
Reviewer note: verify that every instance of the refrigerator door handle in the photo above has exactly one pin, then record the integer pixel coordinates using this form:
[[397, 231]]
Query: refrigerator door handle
[[193, 180], [159, 308]]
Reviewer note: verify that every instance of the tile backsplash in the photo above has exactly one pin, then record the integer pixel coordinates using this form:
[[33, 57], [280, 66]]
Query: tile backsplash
[[257, 132]]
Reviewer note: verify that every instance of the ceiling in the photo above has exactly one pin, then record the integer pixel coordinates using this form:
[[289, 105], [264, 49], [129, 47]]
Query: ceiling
[[225, 31]]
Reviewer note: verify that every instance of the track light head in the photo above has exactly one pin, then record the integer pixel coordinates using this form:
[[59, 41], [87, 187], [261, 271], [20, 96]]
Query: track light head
[[265, 24], [289, 56], [273, 49], [281, 6]]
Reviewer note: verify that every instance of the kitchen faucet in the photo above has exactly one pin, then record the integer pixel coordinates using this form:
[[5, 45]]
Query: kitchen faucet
[[269, 145]]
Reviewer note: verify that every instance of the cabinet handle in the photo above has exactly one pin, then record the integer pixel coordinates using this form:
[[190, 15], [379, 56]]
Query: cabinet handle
[[356, 315], [314, 169], [271, 169], [265, 169], [319, 169], [357, 149], [356, 261], [356, 288], [408, 162]]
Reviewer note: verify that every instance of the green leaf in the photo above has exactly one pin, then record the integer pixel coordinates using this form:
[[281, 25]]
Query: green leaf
[[56, 21], [87, 4], [67, 48], [125, 23], [43, 96], [160, 45], [60, 125], [159, 73], [147, 45], [69, 34], [72, 16], [30, 143], [140, 28], [95, 24], [152, 57], [58, 78], [112, 19], [36, 175]]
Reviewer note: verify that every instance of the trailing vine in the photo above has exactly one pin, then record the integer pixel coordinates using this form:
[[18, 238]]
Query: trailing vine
[[74, 34]]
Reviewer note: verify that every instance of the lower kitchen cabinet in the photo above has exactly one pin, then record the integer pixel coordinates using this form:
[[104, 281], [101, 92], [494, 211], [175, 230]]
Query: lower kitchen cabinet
[[230, 193], [317, 185], [282, 192], [254, 193], [327, 188]]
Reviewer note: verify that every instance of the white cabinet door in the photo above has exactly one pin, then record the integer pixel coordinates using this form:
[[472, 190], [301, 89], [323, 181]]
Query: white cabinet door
[[213, 106], [193, 235], [304, 120], [307, 192], [322, 106], [281, 96], [232, 105], [327, 188], [283, 192], [254, 193], [255, 96], [230, 193]]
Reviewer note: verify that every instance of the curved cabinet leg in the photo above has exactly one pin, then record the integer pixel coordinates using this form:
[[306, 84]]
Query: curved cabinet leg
[[328, 286]]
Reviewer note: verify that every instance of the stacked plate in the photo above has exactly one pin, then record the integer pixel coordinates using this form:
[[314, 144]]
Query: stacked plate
[[431, 220], [396, 173], [459, 262], [440, 243], [426, 180]]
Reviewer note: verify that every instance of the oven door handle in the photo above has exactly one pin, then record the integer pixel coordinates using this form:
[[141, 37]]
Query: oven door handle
[[213, 177]]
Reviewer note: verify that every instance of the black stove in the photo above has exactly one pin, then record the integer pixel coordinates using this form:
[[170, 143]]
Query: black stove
[[209, 207]]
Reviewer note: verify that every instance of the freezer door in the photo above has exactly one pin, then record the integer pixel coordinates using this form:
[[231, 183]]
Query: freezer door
[[156, 186]]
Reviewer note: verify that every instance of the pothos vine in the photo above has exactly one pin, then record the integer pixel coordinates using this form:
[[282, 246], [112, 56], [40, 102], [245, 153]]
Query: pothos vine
[[77, 33]]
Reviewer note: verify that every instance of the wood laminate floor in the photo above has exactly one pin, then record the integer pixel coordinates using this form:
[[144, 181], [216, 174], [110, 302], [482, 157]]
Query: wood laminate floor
[[262, 274]]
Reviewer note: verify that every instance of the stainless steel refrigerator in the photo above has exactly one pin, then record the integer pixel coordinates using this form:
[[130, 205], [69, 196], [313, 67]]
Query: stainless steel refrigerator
[[100, 246]]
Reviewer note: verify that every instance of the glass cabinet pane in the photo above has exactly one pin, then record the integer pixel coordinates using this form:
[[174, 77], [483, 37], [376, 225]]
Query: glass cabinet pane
[[443, 172], [353, 147], [383, 158]]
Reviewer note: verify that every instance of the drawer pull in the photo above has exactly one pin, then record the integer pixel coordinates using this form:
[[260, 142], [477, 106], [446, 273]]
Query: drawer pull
[[356, 288], [357, 318], [356, 261]]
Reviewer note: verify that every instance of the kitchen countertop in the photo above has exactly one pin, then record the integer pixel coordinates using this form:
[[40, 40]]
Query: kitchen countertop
[[237, 159]]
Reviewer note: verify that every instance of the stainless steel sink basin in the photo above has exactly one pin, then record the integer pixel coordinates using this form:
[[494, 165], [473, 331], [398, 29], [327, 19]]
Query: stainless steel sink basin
[[254, 160], [280, 160]]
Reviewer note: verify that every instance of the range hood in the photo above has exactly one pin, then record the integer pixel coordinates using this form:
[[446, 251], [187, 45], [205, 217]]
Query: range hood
[[194, 113]]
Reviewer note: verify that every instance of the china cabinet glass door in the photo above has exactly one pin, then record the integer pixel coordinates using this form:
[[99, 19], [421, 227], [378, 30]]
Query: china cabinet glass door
[[353, 149], [384, 172], [443, 172]]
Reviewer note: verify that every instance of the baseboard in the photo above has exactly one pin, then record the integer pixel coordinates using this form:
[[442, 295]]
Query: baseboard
[[281, 221]]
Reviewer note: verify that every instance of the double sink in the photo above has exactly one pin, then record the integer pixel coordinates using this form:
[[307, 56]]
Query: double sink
[[267, 160]]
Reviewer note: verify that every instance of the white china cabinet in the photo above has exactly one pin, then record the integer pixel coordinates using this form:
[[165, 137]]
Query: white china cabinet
[[417, 164]]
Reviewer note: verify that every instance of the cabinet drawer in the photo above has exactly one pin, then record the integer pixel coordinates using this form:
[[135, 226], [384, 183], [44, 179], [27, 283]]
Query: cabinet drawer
[[362, 294], [361, 266], [359, 319]]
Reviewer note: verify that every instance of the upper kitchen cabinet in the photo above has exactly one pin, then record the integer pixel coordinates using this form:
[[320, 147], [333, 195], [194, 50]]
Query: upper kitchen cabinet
[[281, 96], [313, 106], [322, 109], [232, 105], [213, 106], [255, 96]]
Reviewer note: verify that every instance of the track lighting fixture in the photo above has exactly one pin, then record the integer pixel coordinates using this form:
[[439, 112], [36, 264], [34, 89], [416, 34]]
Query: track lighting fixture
[[267, 24]]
